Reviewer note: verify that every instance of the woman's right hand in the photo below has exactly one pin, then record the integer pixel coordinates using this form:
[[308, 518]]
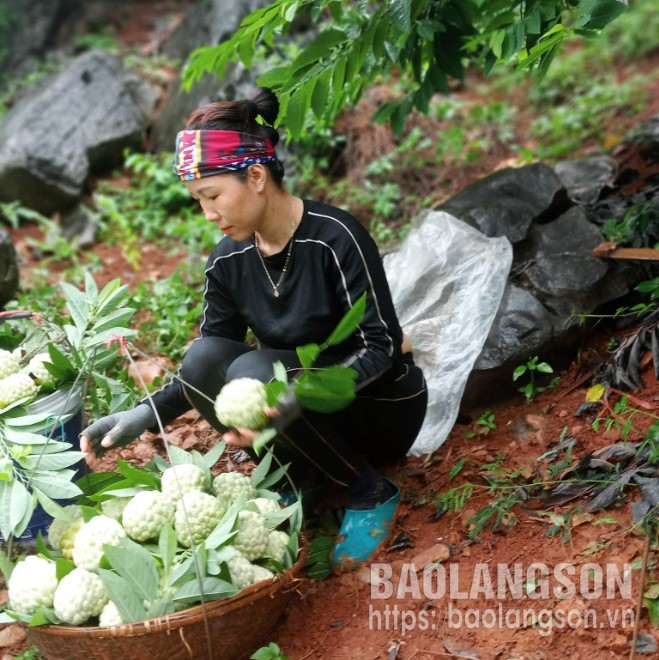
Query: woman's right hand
[[116, 430]]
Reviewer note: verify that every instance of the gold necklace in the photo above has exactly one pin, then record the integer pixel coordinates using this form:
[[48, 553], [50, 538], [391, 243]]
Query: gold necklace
[[275, 287]]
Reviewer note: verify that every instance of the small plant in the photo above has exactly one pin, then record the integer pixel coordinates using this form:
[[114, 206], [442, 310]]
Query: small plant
[[483, 425], [498, 514], [533, 367], [269, 652], [638, 227]]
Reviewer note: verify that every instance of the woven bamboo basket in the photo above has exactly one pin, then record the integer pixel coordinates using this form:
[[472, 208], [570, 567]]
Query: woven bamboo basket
[[230, 629]]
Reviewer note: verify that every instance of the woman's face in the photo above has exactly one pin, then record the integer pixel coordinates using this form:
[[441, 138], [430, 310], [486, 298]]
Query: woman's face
[[234, 204]]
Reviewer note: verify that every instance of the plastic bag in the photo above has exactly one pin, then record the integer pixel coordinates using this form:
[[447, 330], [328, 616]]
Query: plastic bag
[[446, 280]]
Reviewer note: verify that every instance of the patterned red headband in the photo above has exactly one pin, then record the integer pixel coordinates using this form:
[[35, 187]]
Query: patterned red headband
[[205, 153]]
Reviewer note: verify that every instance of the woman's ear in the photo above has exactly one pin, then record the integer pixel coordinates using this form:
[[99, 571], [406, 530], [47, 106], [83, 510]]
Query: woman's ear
[[257, 175]]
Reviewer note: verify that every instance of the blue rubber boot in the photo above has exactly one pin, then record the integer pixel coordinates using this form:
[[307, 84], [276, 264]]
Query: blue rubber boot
[[362, 532]]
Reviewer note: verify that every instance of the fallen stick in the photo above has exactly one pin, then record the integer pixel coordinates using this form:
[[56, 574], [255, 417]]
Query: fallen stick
[[614, 251]]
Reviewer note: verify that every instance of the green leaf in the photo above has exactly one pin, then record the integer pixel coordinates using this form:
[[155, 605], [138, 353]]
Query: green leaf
[[279, 371], [115, 319], [597, 14], [54, 485], [320, 94], [121, 593], [51, 507], [167, 546], [95, 482], [6, 469], [90, 287], [274, 78], [135, 564], [307, 354], [297, 110], [63, 567], [544, 368], [56, 461], [327, 390], [213, 456], [319, 47], [43, 616], [113, 294], [533, 22], [16, 508], [338, 76], [42, 548], [178, 456], [211, 588], [349, 323], [61, 363], [519, 371], [401, 14], [275, 518], [273, 391], [6, 565], [138, 476], [224, 531], [262, 469], [274, 477], [77, 305]]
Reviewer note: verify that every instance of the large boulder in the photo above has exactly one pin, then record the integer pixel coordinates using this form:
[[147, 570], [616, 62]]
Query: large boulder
[[27, 29], [506, 202], [76, 124]]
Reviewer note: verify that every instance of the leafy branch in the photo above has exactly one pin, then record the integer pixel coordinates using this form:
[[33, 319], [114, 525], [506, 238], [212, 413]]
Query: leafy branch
[[428, 43]]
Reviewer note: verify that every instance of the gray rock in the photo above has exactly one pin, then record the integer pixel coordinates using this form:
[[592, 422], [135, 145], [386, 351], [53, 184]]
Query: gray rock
[[562, 271], [9, 272], [647, 137], [95, 109], [25, 33], [522, 326], [208, 23], [586, 178], [506, 202]]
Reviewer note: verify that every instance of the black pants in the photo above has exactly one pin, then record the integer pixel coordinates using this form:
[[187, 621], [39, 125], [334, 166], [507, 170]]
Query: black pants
[[377, 428]]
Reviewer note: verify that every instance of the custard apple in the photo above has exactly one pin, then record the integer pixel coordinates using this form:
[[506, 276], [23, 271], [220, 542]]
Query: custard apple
[[261, 573], [240, 404], [16, 386], [265, 505], [32, 585], [197, 513], [276, 546], [36, 367], [62, 532], [79, 596], [146, 514], [233, 484], [114, 508], [241, 570], [109, 616], [90, 539], [252, 536], [180, 479], [9, 363]]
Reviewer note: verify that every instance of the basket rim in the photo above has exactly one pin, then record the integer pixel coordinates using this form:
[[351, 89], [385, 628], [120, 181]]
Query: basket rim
[[175, 620]]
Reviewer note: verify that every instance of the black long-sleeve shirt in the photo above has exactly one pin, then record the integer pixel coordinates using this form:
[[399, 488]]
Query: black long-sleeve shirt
[[333, 261]]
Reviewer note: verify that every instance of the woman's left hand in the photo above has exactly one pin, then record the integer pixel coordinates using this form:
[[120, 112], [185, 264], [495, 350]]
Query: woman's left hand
[[245, 437]]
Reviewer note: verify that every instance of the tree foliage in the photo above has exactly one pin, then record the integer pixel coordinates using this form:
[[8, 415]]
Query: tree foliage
[[426, 42]]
